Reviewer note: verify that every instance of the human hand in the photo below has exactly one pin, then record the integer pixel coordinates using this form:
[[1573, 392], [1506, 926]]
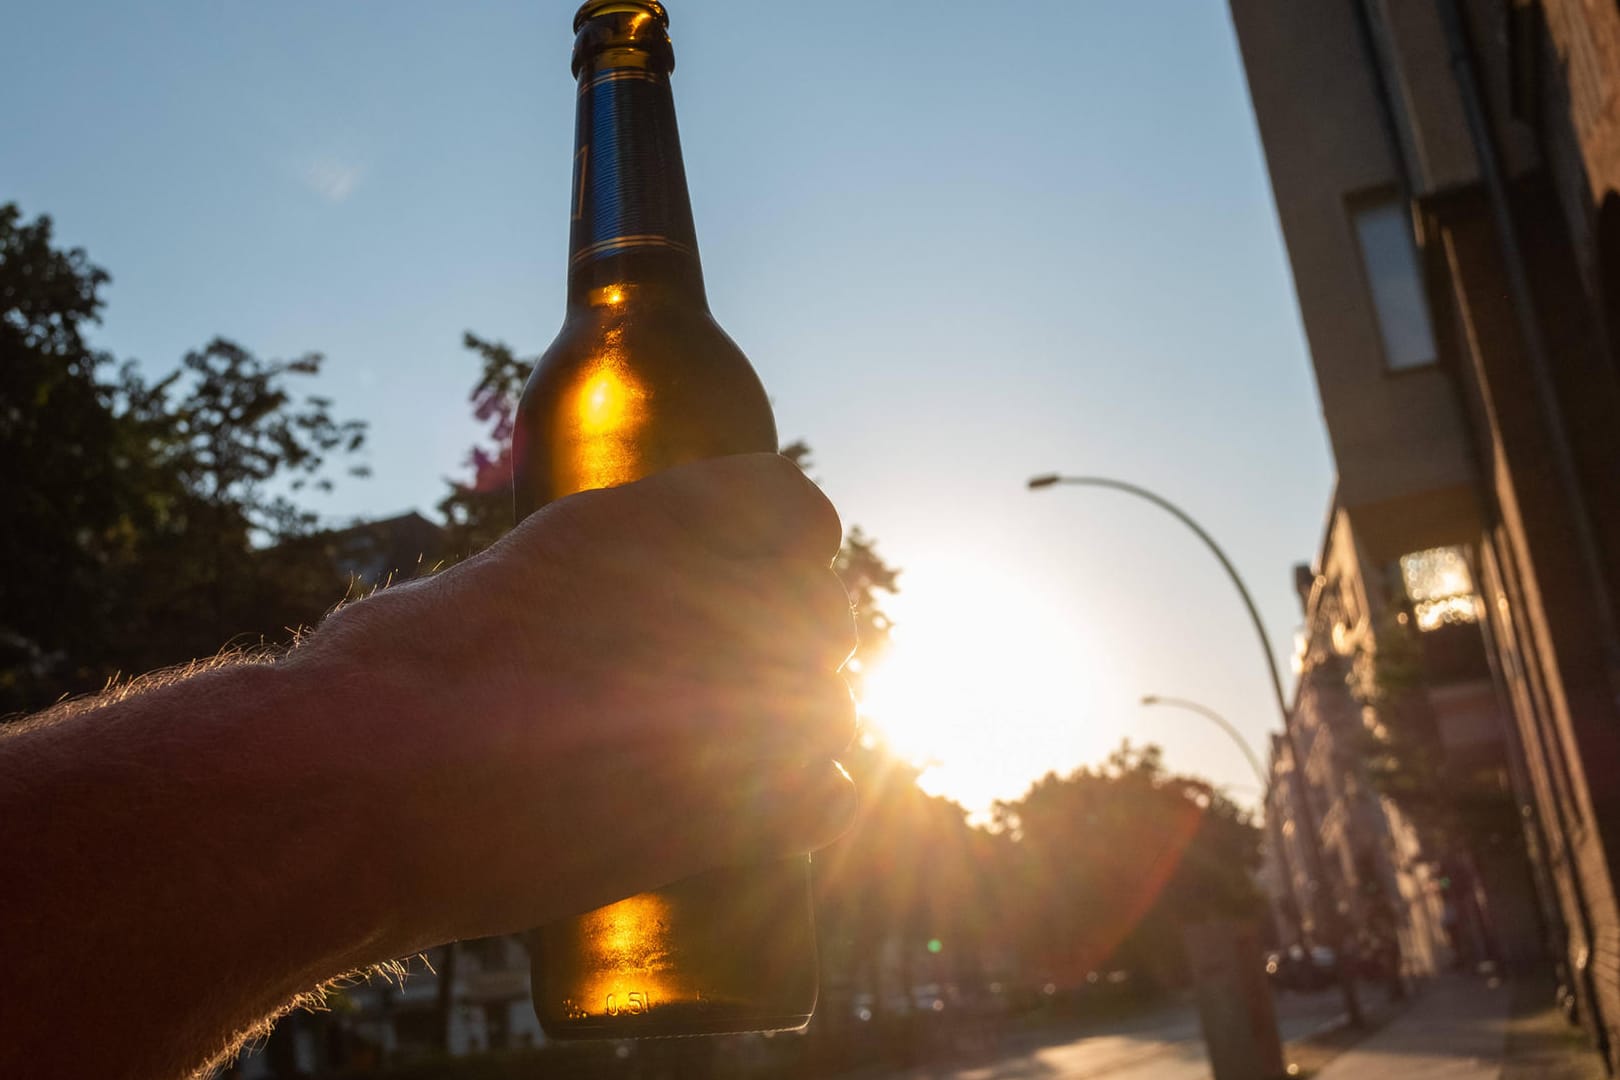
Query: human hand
[[634, 685]]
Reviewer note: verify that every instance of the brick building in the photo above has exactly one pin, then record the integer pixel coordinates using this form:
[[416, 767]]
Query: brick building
[[1447, 177]]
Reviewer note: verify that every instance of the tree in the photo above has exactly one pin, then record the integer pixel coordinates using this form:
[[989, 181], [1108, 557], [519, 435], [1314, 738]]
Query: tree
[[477, 512], [911, 870], [1457, 801], [59, 439], [141, 513], [239, 557], [1113, 860], [867, 578], [238, 427]]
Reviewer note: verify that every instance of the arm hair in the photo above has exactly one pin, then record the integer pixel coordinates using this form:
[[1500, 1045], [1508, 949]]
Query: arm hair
[[102, 924]]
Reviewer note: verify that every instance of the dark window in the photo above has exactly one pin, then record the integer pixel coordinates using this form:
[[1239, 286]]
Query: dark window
[[1395, 282]]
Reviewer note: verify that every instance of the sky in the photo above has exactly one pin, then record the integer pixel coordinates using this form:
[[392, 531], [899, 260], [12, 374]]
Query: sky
[[962, 243]]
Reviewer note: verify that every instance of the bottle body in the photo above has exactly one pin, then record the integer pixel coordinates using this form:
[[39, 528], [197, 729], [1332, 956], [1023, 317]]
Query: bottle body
[[633, 384], [727, 951], [641, 378]]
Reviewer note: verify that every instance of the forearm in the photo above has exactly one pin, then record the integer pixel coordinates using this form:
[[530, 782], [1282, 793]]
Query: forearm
[[429, 765], [178, 865]]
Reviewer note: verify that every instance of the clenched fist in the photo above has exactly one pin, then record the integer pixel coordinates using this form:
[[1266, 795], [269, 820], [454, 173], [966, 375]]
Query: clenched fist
[[634, 685]]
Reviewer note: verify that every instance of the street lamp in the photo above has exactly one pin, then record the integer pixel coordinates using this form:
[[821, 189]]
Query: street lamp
[[1047, 480], [1221, 722], [1313, 840]]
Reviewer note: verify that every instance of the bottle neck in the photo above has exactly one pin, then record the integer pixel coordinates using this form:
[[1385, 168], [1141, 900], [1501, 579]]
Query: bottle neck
[[631, 213]]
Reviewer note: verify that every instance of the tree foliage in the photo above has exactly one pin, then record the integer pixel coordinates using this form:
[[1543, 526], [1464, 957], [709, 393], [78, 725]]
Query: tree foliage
[[142, 513], [1112, 861], [866, 576], [478, 511], [910, 871], [234, 426], [1458, 800]]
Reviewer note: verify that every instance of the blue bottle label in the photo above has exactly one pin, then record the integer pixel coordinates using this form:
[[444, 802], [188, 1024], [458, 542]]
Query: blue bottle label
[[629, 182]]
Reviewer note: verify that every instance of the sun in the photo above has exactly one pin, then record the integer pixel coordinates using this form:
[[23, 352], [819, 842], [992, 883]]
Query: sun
[[984, 686]]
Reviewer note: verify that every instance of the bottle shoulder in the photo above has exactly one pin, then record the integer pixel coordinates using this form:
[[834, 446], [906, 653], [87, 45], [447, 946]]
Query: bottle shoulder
[[660, 345], [675, 365]]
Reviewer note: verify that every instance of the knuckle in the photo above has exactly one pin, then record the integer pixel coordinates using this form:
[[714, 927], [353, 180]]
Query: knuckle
[[839, 605], [824, 530], [810, 603], [829, 716], [846, 717], [838, 617], [556, 523]]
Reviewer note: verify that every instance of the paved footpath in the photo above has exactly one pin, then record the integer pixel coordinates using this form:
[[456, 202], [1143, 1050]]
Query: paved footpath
[[1162, 1044], [1456, 1030]]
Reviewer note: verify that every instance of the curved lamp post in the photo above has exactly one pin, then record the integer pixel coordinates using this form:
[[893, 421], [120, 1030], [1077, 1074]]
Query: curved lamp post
[[1221, 722], [1302, 804], [1053, 479]]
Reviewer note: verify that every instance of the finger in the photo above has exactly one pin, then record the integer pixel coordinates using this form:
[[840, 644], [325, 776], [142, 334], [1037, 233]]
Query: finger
[[784, 812], [720, 730], [709, 616], [750, 505], [678, 830], [782, 719], [823, 720], [804, 615]]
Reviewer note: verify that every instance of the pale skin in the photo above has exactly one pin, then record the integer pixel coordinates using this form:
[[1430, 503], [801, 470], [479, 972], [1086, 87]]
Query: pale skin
[[178, 861]]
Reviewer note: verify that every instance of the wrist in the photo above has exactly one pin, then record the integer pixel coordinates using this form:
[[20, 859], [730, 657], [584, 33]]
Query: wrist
[[381, 727], [343, 792]]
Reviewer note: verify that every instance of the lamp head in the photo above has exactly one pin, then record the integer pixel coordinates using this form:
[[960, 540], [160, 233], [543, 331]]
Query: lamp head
[[1045, 480]]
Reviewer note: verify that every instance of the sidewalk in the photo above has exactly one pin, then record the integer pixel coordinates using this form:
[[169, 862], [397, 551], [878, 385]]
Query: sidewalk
[[1456, 1029]]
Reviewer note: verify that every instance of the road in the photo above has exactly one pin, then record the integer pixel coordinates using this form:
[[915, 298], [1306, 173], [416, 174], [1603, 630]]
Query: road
[[1163, 1045]]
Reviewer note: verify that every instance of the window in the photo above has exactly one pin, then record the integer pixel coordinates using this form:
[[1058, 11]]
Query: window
[[1389, 258], [1440, 587]]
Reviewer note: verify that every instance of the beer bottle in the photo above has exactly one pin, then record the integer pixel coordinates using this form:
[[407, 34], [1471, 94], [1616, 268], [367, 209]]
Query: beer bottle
[[641, 378]]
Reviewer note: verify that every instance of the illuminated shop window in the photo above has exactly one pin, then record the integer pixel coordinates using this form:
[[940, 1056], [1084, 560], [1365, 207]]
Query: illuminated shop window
[[1439, 586]]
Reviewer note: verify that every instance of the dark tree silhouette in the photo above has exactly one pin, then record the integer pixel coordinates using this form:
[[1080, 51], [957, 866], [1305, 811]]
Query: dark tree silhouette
[[1111, 861], [478, 511], [141, 514]]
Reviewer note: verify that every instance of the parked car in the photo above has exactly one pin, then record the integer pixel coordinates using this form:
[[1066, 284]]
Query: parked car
[[1299, 969]]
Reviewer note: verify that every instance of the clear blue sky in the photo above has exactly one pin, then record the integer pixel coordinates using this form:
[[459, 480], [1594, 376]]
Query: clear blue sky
[[962, 243]]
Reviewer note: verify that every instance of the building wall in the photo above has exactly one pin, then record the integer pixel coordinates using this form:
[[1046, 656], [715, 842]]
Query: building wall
[[1585, 44], [1508, 446], [1378, 871], [1557, 615], [1394, 435]]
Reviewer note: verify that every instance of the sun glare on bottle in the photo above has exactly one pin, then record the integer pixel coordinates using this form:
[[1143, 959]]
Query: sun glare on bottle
[[607, 403]]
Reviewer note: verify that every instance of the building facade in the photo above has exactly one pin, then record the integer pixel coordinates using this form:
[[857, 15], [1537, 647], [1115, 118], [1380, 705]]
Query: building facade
[[1404, 751], [1447, 178], [455, 1000]]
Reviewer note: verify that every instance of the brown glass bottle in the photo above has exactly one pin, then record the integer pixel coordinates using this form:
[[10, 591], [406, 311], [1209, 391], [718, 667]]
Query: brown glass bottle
[[641, 378]]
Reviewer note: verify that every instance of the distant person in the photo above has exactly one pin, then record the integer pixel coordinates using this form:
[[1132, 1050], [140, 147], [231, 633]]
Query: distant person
[[633, 686]]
